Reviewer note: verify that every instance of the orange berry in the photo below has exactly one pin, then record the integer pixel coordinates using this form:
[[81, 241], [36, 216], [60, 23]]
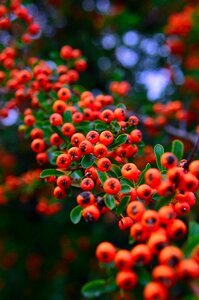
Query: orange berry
[[105, 252], [112, 186], [168, 160], [123, 260], [126, 280]]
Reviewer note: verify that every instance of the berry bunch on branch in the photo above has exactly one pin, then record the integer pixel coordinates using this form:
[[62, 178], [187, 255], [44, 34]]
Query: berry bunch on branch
[[91, 151]]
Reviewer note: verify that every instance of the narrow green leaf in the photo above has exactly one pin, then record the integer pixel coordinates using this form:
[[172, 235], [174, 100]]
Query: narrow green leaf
[[177, 149], [122, 205], [50, 172], [52, 156], [121, 139], [193, 238], [100, 125], [76, 214], [143, 275], [87, 161], [77, 174], [158, 150], [115, 126], [97, 288], [102, 176], [109, 201], [116, 169], [67, 116], [125, 181], [162, 201], [121, 105], [125, 189], [141, 177]]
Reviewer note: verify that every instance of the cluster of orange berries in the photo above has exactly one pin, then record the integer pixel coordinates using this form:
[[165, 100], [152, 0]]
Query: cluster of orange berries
[[181, 23], [17, 12], [163, 113], [154, 230], [169, 268], [24, 188]]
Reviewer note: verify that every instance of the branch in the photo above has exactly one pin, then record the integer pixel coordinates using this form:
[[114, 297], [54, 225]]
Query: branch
[[181, 133]]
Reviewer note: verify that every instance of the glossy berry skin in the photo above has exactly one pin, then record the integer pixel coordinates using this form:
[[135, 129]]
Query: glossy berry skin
[[64, 94], [176, 230], [59, 193], [194, 168], [155, 290], [56, 119], [106, 137], [105, 252], [68, 129], [144, 192], [63, 161], [92, 136], [75, 153], [157, 241], [100, 150], [136, 135], [135, 210], [188, 269], [125, 223], [87, 184], [38, 145], [112, 186], [86, 147], [165, 275], [76, 139], [166, 214], [126, 280], [85, 198], [64, 181], [130, 171], [168, 160], [152, 177], [123, 260], [141, 254], [150, 220], [170, 255], [138, 232], [91, 213], [104, 164]]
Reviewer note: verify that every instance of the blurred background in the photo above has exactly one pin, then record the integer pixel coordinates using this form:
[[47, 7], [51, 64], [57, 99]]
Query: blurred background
[[47, 257]]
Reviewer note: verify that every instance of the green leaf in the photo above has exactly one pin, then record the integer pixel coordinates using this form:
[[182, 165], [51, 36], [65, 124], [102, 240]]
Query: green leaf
[[162, 201], [122, 205], [193, 238], [177, 149], [67, 116], [116, 169], [115, 126], [84, 126], [76, 214], [125, 189], [141, 177], [143, 276], [52, 156], [125, 181], [102, 176], [77, 174], [100, 125], [87, 161], [158, 150], [121, 139], [121, 105], [97, 288], [109, 201], [50, 172]]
